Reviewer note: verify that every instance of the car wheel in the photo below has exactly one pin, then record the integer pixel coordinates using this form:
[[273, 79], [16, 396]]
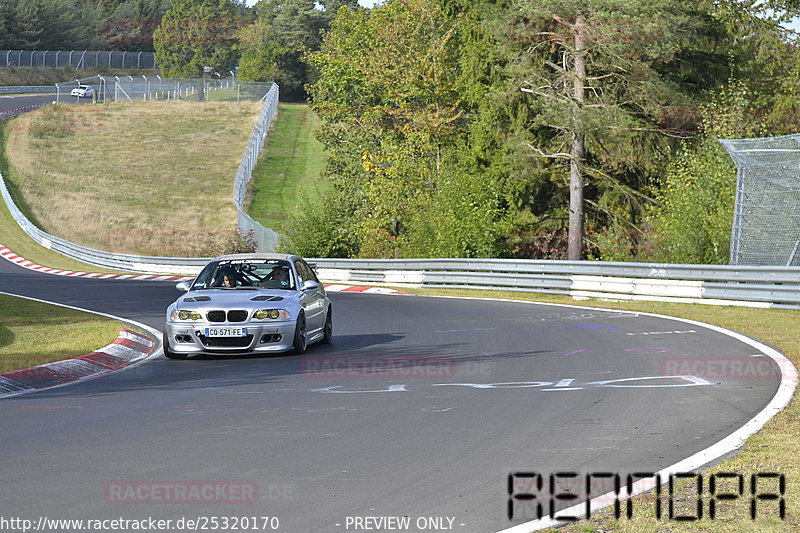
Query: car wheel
[[300, 342], [169, 353], [327, 332]]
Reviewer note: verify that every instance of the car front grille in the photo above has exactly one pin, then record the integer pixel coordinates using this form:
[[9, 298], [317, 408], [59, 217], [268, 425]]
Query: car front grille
[[216, 316], [237, 316], [226, 342]]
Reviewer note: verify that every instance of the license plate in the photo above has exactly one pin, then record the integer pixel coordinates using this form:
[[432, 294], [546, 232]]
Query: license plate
[[226, 332]]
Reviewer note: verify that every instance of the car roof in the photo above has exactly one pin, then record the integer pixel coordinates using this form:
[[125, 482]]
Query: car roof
[[285, 257]]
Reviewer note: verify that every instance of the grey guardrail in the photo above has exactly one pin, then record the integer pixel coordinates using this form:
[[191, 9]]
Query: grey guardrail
[[753, 286], [11, 113], [28, 89]]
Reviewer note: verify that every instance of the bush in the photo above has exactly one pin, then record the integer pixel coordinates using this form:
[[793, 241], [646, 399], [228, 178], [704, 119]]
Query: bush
[[52, 121], [235, 243], [692, 223]]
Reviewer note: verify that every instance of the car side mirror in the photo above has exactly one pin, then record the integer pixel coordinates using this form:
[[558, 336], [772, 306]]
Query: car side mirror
[[309, 284], [183, 286]]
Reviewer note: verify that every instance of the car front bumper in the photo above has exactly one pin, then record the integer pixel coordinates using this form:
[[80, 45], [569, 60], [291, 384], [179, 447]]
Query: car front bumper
[[261, 338]]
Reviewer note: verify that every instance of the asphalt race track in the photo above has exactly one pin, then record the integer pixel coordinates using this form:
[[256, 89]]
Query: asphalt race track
[[8, 103], [421, 408]]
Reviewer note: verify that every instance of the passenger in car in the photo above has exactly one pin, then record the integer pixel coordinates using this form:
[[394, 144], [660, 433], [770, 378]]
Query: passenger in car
[[281, 275]]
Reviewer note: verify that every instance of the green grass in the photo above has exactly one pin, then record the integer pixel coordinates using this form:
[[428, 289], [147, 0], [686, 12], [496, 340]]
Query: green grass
[[292, 160], [151, 178], [775, 448], [33, 333]]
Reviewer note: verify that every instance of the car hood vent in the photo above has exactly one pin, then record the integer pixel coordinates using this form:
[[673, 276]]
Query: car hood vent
[[197, 299], [266, 298]]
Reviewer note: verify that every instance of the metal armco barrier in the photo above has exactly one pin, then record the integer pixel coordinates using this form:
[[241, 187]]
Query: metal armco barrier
[[752, 286], [11, 113], [27, 89]]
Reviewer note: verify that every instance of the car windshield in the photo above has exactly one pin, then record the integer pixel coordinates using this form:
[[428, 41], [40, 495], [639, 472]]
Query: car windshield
[[246, 274]]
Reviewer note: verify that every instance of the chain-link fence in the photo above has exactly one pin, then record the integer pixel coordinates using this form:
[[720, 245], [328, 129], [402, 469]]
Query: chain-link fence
[[766, 217], [266, 238], [78, 59], [122, 88]]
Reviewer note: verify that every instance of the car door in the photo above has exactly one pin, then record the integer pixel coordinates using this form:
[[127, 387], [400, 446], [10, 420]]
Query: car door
[[313, 300]]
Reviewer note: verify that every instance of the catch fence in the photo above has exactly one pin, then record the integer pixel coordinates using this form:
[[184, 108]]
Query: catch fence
[[78, 59], [129, 88], [766, 217]]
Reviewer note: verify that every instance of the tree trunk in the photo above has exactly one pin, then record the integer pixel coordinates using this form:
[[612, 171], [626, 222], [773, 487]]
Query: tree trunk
[[577, 153]]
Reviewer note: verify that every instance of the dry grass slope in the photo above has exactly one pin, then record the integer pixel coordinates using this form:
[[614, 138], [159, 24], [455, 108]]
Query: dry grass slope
[[151, 178]]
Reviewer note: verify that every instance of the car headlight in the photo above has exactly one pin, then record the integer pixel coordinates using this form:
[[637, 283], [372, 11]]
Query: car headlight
[[186, 314], [272, 314]]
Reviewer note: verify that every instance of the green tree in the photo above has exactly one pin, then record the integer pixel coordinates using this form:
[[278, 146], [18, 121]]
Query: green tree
[[274, 48], [30, 24], [596, 95], [7, 21], [197, 35], [692, 221], [132, 23], [389, 98]]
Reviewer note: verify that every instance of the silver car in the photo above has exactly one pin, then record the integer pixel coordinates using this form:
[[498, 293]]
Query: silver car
[[249, 303]]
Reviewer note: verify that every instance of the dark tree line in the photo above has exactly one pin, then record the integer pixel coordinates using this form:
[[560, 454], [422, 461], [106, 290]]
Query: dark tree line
[[80, 25]]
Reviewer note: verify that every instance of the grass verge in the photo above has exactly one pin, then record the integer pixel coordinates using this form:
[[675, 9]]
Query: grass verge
[[292, 161], [151, 178], [12, 236], [774, 449], [33, 333]]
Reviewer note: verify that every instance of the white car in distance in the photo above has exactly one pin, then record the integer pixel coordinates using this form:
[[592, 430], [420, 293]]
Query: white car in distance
[[82, 91]]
